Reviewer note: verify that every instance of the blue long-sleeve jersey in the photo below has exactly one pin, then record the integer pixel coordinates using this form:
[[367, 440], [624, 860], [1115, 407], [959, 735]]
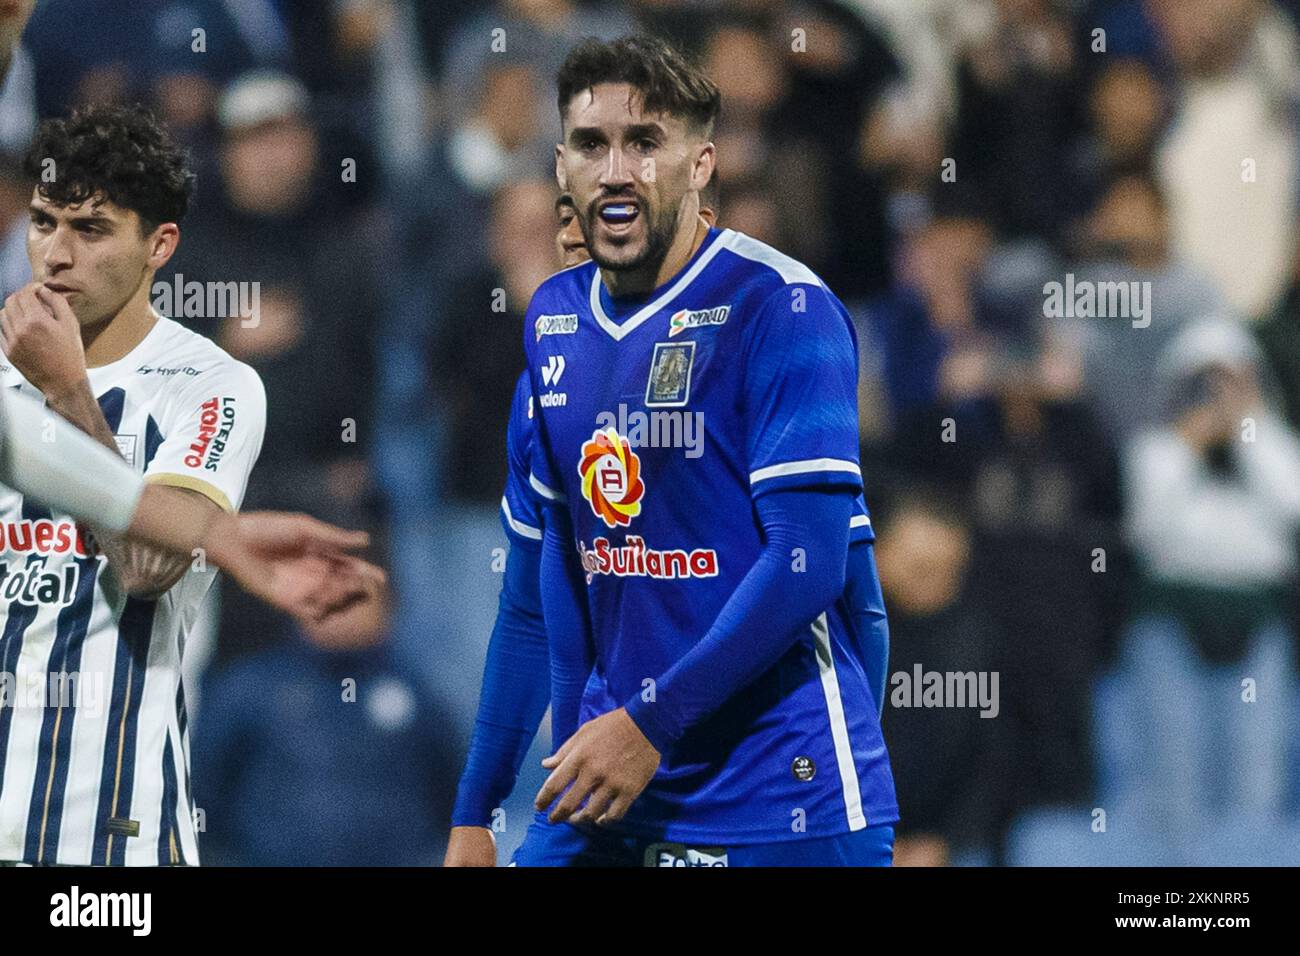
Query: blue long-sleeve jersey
[[661, 423], [516, 679]]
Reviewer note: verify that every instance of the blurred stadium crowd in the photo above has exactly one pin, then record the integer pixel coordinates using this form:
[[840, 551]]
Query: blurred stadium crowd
[[1102, 509]]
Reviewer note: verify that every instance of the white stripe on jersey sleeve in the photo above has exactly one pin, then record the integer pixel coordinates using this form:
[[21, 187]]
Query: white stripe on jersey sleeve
[[524, 530], [543, 490], [790, 270], [807, 466]]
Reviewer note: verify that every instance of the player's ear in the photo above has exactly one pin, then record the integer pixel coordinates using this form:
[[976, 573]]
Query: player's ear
[[560, 177], [162, 244], [702, 169]]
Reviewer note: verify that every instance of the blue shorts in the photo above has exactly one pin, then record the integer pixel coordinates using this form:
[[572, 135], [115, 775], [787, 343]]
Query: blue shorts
[[560, 844]]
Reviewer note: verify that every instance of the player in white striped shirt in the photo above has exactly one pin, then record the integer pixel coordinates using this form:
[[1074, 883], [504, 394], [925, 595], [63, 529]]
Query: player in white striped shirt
[[93, 738]]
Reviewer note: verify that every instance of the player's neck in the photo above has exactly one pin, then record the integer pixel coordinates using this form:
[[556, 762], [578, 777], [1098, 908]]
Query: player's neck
[[115, 337], [639, 282]]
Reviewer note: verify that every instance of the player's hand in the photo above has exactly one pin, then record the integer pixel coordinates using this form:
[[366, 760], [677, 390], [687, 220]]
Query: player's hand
[[608, 762], [42, 339], [295, 563], [471, 846]]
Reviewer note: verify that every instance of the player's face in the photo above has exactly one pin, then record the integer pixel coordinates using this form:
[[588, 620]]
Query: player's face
[[568, 241], [629, 173], [91, 254]]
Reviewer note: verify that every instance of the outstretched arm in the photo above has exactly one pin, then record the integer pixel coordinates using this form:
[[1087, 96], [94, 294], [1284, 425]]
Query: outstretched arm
[[293, 562]]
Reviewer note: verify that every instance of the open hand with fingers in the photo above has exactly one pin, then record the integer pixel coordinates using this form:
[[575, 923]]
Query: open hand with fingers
[[295, 563], [608, 761]]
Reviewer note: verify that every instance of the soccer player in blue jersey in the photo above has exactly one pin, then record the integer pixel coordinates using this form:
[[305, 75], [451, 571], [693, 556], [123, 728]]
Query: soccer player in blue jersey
[[696, 447], [515, 689]]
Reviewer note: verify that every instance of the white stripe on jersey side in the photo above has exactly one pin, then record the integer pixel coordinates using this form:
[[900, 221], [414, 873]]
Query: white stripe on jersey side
[[153, 726], [790, 270], [188, 835], [806, 466], [525, 530], [89, 739], [859, 521], [543, 490], [839, 726], [20, 781], [617, 332]]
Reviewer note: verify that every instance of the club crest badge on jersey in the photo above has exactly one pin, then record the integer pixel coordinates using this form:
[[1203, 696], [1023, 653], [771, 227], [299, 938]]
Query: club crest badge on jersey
[[670, 374], [126, 447], [611, 478]]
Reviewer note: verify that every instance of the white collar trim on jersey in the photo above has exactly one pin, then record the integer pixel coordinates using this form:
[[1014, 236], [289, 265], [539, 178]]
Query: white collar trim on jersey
[[616, 331]]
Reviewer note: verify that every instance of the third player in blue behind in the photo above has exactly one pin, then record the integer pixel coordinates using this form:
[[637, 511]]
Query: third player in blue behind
[[696, 450]]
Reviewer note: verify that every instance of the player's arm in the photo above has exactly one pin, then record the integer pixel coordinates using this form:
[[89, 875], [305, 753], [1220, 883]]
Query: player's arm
[[564, 603], [563, 585], [291, 561], [516, 674], [568, 623], [144, 571], [43, 457], [513, 698], [799, 573], [866, 607]]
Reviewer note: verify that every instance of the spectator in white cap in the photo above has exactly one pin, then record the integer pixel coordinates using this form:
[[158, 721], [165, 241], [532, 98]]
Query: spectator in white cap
[[270, 147], [1213, 506]]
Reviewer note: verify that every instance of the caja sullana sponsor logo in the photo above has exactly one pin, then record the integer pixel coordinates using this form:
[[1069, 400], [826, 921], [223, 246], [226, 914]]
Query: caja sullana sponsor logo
[[612, 485], [215, 425]]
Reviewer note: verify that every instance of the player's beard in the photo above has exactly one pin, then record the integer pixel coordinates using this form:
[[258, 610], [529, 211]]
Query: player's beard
[[660, 229]]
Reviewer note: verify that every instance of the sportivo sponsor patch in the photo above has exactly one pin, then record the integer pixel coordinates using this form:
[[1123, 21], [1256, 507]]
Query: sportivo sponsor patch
[[694, 318], [216, 424], [556, 325]]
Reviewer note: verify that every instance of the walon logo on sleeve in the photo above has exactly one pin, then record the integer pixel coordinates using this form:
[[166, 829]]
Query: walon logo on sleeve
[[215, 425]]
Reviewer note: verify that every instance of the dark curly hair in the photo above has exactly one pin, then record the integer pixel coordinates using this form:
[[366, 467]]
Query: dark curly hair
[[119, 153], [667, 81]]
